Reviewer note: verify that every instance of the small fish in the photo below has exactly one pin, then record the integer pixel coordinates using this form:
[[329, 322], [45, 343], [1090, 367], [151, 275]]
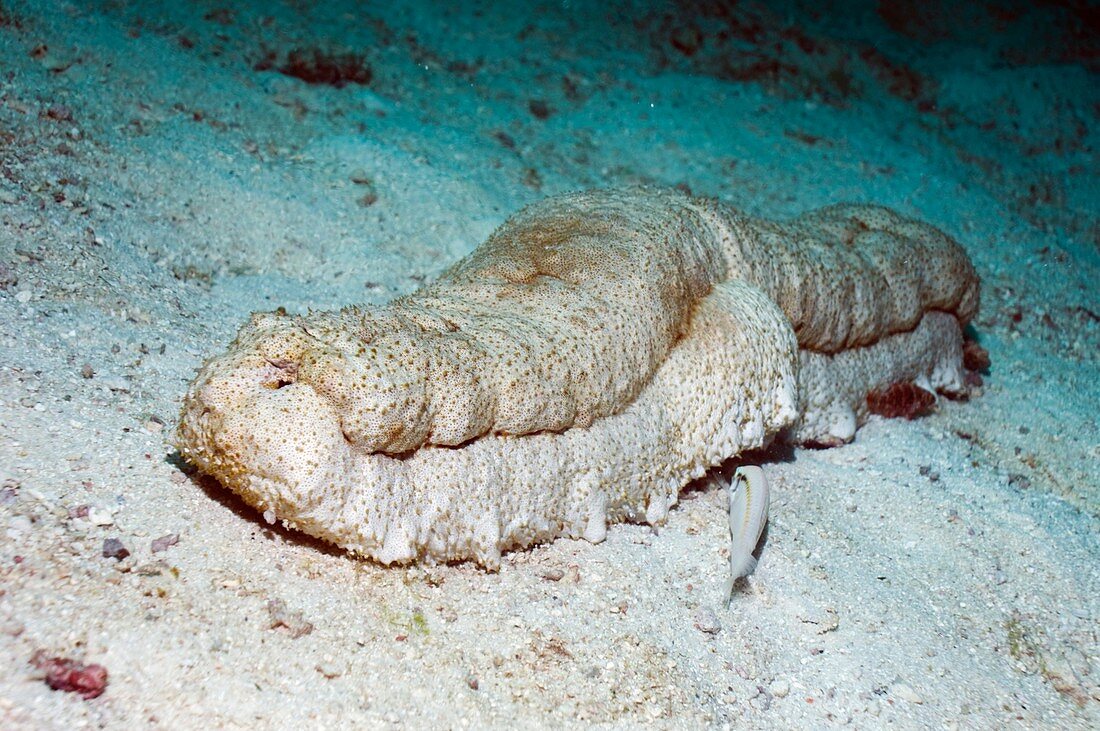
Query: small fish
[[749, 498]]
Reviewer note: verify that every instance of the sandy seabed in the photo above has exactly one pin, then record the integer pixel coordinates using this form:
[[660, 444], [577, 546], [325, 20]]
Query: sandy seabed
[[167, 168]]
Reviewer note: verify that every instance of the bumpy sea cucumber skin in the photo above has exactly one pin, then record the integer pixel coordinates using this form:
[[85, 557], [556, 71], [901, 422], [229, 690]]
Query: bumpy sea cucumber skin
[[561, 317], [601, 350], [727, 386], [849, 274]]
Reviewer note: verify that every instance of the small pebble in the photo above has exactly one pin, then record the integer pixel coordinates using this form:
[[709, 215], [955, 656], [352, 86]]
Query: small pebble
[[23, 296], [86, 371], [116, 383], [539, 108], [151, 569], [113, 548], [269, 516], [471, 682], [7, 197], [293, 622], [706, 621], [165, 542], [62, 673], [99, 516], [779, 688], [8, 278], [60, 112], [907, 694]]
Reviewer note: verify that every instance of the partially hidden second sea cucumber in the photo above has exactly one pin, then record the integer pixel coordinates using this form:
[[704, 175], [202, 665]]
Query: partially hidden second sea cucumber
[[598, 352]]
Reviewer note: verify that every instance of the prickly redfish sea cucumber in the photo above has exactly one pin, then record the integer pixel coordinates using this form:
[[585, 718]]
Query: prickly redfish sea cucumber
[[598, 352]]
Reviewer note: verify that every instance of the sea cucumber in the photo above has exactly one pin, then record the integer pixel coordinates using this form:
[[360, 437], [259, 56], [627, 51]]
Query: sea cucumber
[[599, 351]]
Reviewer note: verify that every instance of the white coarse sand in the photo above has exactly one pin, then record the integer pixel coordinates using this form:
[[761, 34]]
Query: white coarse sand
[[165, 171]]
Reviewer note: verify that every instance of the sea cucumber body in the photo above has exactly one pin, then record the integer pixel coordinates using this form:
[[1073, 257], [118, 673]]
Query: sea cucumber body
[[601, 350]]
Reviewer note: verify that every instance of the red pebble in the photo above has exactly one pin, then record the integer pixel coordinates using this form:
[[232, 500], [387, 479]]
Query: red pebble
[[901, 399], [60, 112], [73, 677]]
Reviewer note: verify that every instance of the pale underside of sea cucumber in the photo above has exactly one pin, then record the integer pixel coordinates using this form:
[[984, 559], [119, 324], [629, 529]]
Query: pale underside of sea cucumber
[[598, 352]]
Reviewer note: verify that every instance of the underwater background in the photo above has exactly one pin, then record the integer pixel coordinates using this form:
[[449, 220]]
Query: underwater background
[[167, 168]]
